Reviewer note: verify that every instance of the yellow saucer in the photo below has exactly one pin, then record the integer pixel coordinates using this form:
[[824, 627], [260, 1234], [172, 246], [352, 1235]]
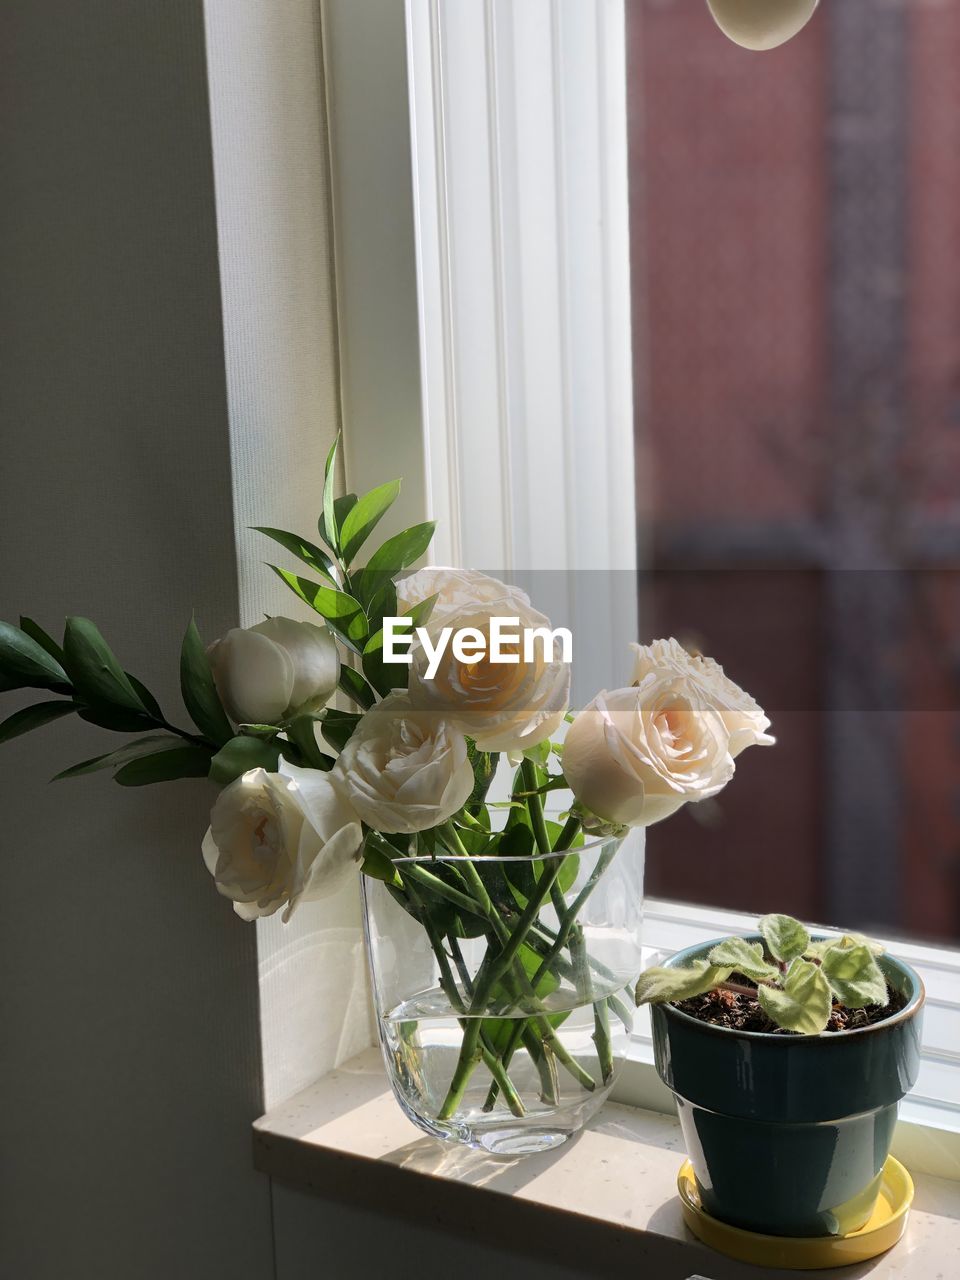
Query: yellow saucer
[[805, 1253]]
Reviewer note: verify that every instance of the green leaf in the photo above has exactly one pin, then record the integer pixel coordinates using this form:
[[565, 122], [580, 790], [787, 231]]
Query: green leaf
[[338, 726], [308, 552], [241, 754], [743, 957], [419, 613], [860, 939], [569, 870], [145, 696], [302, 732], [354, 686], [343, 613], [376, 864], [820, 947], [94, 670], [803, 1004], [34, 717], [853, 973], [165, 766], [328, 521], [397, 553], [36, 632], [364, 517], [27, 664], [658, 985], [785, 937], [385, 676], [342, 507], [540, 754], [152, 743], [816, 949], [516, 842], [116, 718], [383, 605], [476, 821], [519, 836], [199, 691], [531, 961]]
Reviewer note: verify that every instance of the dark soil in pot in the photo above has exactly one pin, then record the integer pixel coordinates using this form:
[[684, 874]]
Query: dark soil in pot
[[741, 1011]]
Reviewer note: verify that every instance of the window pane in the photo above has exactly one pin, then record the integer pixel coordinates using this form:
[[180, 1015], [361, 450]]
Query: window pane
[[795, 223]]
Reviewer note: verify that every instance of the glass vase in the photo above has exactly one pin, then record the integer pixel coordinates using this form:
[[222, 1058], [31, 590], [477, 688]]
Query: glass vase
[[503, 988]]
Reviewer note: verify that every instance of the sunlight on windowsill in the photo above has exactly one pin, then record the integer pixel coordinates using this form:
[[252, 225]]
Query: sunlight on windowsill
[[607, 1197]]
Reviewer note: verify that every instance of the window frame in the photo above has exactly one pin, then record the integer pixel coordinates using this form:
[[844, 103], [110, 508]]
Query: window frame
[[408, 96]]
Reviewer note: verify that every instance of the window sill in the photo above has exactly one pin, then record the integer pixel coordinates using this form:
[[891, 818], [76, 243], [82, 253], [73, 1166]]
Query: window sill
[[606, 1199]]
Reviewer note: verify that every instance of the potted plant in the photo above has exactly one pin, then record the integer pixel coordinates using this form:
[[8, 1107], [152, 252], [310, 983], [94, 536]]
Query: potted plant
[[788, 1054], [504, 946]]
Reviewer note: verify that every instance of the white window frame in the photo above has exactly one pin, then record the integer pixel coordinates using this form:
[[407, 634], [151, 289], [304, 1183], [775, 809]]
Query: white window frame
[[467, 162]]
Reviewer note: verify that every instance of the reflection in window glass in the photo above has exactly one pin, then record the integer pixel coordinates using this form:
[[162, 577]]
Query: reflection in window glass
[[795, 220]]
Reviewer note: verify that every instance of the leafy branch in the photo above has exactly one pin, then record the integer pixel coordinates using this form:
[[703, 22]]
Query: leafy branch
[[354, 601], [83, 676]]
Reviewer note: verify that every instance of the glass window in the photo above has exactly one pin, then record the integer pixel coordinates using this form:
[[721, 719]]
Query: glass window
[[795, 227]]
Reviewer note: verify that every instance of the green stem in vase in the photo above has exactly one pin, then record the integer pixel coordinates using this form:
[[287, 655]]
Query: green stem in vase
[[492, 971], [538, 1036], [601, 1038], [542, 941], [541, 938], [487, 1052], [570, 930], [540, 1054], [505, 935], [413, 871], [569, 933]]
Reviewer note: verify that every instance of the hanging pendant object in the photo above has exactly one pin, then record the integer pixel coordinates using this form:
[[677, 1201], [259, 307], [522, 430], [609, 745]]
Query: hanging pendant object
[[761, 24]]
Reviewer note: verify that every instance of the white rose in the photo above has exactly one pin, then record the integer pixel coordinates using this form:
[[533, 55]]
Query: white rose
[[744, 719], [504, 706], [761, 24], [634, 756], [270, 672], [276, 839], [404, 770], [458, 591]]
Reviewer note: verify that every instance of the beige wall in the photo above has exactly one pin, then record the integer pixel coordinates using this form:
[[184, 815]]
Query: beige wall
[[169, 377], [129, 1015]]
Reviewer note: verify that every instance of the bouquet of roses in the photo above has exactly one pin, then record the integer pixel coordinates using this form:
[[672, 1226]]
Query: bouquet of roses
[[394, 781]]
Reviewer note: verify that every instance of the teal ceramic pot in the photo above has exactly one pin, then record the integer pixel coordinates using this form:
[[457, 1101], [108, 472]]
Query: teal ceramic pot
[[788, 1134]]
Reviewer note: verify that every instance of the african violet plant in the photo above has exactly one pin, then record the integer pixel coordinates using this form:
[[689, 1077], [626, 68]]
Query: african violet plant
[[797, 979]]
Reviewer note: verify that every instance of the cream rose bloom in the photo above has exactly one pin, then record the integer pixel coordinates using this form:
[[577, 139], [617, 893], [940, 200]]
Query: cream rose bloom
[[404, 770], [458, 591], [277, 839], [634, 756], [273, 671], [744, 719], [502, 706]]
